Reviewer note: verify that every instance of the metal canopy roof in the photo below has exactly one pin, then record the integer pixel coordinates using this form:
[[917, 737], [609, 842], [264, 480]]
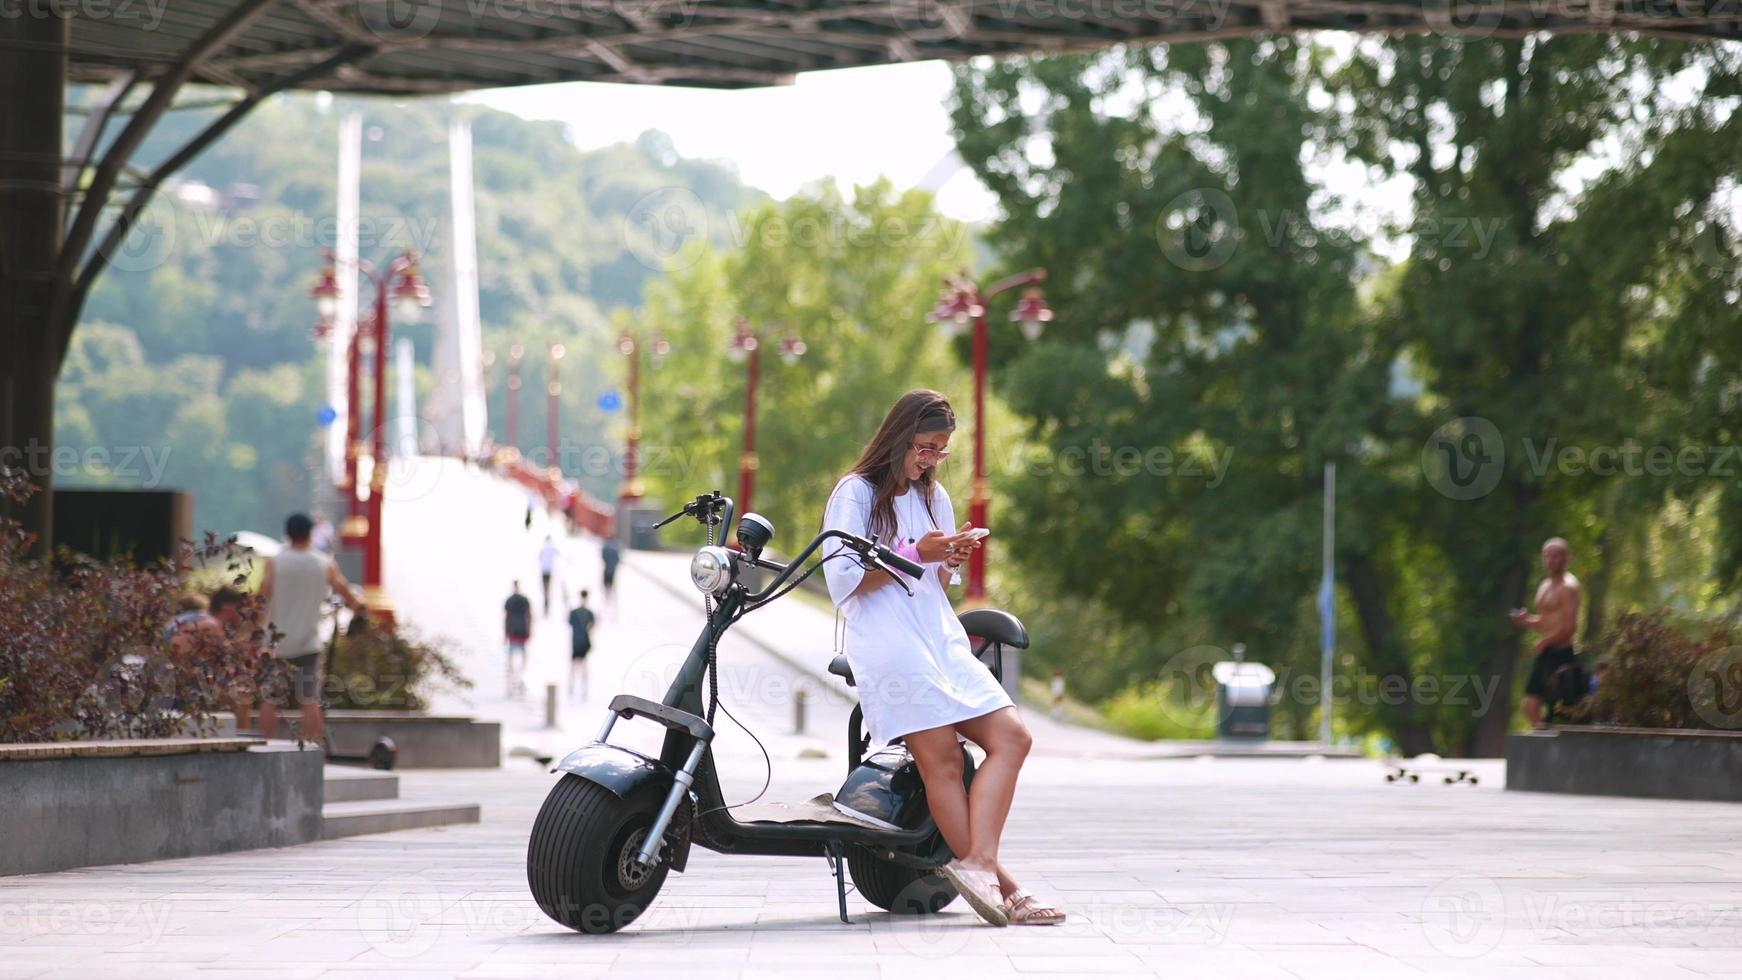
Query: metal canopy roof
[[419, 46]]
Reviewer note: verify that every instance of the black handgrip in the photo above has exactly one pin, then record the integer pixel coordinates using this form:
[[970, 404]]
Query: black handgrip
[[907, 565]]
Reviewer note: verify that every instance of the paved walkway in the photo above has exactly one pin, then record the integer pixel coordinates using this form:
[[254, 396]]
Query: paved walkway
[[1181, 868], [1250, 868]]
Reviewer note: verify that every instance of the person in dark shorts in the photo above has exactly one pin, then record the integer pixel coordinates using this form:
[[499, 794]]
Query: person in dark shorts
[[610, 554], [517, 629], [1556, 619], [580, 643], [548, 554], [293, 595]]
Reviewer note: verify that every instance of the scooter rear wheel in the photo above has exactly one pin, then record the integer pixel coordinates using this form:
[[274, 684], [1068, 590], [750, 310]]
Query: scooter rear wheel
[[580, 858], [896, 887]]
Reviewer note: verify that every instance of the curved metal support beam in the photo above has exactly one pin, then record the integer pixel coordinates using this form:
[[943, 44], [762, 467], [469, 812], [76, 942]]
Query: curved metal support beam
[[65, 307], [193, 148], [102, 110]]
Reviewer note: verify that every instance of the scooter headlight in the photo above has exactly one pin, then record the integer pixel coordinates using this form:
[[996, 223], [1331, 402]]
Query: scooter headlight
[[711, 569]]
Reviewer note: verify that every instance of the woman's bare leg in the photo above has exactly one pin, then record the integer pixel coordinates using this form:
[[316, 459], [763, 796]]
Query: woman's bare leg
[[1006, 742], [940, 767]]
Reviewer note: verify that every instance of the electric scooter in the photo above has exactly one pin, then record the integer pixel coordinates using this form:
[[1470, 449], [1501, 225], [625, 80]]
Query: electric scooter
[[618, 821]]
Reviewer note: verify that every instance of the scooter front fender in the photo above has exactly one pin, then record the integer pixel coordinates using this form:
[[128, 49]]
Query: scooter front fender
[[625, 772]]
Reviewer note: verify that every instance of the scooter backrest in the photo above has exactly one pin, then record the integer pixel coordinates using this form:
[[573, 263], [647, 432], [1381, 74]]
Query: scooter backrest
[[996, 625]]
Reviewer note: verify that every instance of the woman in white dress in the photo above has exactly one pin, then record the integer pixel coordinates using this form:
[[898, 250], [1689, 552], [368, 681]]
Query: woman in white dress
[[917, 676]]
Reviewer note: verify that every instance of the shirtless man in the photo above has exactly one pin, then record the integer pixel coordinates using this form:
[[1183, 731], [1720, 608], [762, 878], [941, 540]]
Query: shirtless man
[[1556, 618]]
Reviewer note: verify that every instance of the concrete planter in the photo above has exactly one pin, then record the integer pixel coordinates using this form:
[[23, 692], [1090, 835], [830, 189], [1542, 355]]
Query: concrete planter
[[75, 804], [1674, 764], [425, 741]]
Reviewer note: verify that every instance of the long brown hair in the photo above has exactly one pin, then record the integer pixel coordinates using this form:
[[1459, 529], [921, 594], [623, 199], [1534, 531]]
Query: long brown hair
[[883, 460]]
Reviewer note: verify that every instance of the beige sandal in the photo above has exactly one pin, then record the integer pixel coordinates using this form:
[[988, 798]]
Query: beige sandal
[[980, 889], [1023, 909]]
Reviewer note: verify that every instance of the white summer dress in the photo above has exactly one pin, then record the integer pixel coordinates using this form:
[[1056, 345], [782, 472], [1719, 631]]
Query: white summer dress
[[911, 660]]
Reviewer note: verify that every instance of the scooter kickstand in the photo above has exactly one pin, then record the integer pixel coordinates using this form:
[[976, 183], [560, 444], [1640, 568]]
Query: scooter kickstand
[[837, 860]]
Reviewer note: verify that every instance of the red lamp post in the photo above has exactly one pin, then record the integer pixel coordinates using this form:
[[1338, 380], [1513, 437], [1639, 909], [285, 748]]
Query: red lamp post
[[326, 294], [746, 345], [632, 488], [487, 377], [515, 353], [410, 295], [964, 302], [553, 388]]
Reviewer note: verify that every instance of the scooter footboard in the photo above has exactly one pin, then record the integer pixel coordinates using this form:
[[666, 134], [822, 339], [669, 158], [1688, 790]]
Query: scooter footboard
[[625, 772]]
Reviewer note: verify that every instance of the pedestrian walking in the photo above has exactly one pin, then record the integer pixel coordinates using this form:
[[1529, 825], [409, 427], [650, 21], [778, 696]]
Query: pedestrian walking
[[580, 644], [547, 557], [609, 555], [293, 591], [1556, 679], [517, 629]]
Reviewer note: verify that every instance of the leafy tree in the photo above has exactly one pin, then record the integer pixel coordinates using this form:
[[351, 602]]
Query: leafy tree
[[1585, 319], [1207, 319], [1207, 300], [854, 278]]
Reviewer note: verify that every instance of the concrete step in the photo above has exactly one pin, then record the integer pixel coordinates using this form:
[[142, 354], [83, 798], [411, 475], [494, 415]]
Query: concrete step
[[381, 816], [347, 784]]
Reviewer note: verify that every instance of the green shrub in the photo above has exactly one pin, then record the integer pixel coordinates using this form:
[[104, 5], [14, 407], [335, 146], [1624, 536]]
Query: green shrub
[[379, 669], [82, 646], [1152, 711], [1661, 676]]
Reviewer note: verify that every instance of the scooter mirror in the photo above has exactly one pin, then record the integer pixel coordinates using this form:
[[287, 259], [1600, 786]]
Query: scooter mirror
[[754, 532]]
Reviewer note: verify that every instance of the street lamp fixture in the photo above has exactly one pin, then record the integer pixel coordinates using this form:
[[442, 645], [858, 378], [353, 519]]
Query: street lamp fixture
[[744, 342], [1032, 313], [326, 296], [410, 292]]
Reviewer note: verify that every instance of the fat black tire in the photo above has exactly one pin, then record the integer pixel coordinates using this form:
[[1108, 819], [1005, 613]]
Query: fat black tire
[[576, 856], [896, 887]]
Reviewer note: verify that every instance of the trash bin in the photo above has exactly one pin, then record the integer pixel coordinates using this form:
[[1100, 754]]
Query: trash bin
[[640, 534], [1243, 699]]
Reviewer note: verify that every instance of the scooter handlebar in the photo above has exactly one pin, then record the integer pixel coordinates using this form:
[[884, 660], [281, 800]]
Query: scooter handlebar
[[899, 562]]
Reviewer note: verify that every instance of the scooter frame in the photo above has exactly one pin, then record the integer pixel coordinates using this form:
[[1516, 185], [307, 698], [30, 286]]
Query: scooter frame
[[694, 807]]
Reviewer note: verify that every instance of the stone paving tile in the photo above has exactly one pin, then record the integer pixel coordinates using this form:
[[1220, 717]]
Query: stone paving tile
[[1267, 869]]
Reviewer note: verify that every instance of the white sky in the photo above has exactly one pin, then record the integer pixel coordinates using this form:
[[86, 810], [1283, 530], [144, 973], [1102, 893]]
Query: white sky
[[853, 124]]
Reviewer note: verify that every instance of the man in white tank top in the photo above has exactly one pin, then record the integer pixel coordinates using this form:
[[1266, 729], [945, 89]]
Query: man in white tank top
[[292, 593]]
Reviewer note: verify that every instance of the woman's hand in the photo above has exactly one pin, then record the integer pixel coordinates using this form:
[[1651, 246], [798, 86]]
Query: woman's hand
[[936, 546], [951, 549]]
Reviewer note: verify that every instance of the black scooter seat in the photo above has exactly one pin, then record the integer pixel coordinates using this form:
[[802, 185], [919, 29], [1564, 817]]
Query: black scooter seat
[[841, 668]]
